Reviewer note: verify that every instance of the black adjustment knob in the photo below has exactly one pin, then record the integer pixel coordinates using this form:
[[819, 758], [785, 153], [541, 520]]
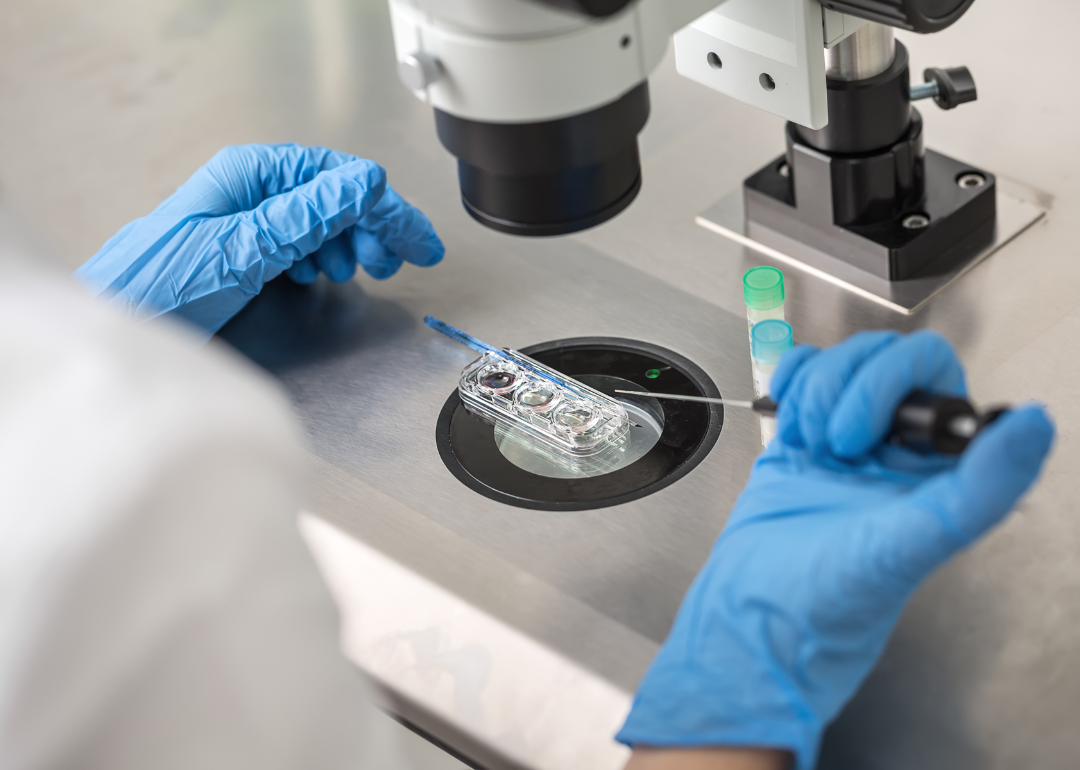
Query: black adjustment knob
[[916, 15], [955, 86]]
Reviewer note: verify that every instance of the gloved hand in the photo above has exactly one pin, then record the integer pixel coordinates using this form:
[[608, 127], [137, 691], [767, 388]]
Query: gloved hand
[[250, 213], [832, 534]]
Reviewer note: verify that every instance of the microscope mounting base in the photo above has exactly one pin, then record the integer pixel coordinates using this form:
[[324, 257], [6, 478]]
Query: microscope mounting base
[[1017, 210]]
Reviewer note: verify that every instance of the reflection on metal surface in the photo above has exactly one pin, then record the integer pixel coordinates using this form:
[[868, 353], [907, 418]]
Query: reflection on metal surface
[[533, 707], [727, 218], [331, 62], [868, 52]]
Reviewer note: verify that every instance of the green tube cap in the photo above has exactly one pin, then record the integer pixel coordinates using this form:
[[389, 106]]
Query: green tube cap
[[763, 288], [770, 340]]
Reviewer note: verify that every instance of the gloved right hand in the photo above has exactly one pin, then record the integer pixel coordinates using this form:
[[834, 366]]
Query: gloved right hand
[[250, 213], [835, 530]]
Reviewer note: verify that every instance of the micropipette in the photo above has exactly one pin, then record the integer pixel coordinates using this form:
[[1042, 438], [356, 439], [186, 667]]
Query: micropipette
[[764, 406], [480, 346], [924, 422]]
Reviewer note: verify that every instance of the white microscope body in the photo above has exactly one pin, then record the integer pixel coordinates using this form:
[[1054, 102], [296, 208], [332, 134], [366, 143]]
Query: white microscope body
[[541, 101]]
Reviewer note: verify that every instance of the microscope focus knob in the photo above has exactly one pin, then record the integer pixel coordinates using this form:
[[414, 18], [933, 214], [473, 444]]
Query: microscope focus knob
[[955, 86], [916, 15], [419, 70], [947, 87]]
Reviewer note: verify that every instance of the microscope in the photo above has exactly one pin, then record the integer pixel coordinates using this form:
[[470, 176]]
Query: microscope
[[541, 102]]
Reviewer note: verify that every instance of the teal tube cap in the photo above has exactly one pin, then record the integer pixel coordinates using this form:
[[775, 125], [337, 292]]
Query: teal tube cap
[[770, 340], [763, 288]]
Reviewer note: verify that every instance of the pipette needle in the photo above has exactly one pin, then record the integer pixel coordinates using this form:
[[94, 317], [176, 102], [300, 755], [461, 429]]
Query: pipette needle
[[765, 406], [480, 346]]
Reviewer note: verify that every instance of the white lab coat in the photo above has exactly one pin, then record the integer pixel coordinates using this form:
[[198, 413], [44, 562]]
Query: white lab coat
[[157, 607]]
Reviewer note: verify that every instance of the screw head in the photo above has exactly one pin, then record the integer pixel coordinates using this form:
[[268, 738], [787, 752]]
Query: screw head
[[767, 81], [714, 61], [784, 170], [916, 222], [971, 181]]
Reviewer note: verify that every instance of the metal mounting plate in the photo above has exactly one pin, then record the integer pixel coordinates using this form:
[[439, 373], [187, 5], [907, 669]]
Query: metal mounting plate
[[1016, 212], [766, 53]]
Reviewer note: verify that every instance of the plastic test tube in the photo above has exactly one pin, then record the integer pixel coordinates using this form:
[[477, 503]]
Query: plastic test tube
[[769, 340], [763, 292]]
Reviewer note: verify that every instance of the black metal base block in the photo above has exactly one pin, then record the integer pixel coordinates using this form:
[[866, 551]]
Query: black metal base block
[[795, 199]]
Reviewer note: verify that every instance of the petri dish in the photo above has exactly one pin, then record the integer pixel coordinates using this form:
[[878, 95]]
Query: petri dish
[[646, 426]]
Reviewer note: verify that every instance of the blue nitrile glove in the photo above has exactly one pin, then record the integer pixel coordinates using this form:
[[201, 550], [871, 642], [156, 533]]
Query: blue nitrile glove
[[250, 213], [832, 534]]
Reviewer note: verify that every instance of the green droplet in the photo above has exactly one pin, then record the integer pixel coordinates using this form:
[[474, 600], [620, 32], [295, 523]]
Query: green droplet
[[652, 374]]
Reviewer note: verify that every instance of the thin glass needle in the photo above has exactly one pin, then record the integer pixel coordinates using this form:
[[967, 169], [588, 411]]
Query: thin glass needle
[[763, 406], [480, 346]]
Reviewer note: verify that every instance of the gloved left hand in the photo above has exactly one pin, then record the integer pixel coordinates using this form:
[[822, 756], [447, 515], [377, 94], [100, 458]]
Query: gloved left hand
[[834, 531], [249, 214]]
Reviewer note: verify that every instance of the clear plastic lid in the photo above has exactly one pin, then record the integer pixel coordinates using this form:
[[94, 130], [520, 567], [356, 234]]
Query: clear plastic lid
[[561, 413], [763, 288], [770, 340]]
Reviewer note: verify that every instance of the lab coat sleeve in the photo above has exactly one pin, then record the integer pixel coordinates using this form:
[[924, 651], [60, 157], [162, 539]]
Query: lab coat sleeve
[[157, 607]]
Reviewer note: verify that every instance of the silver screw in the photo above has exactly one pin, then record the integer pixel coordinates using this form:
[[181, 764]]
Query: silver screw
[[784, 170], [928, 90], [916, 221], [971, 181]]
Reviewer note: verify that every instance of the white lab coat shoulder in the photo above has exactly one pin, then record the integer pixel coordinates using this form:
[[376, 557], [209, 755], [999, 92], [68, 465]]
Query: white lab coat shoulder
[[157, 607]]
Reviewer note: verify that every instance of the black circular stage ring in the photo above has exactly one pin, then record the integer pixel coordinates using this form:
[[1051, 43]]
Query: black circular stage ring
[[467, 445]]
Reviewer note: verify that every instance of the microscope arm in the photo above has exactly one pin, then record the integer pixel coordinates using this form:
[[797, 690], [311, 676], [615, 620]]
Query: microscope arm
[[541, 101], [521, 61]]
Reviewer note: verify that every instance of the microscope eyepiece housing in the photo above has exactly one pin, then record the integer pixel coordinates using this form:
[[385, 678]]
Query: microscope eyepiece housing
[[541, 101], [549, 177]]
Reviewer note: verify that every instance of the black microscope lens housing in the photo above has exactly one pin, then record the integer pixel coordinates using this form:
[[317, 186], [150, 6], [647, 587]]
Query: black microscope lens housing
[[550, 177]]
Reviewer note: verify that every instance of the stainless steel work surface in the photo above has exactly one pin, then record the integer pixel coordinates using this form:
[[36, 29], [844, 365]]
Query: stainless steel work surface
[[105, 107]]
